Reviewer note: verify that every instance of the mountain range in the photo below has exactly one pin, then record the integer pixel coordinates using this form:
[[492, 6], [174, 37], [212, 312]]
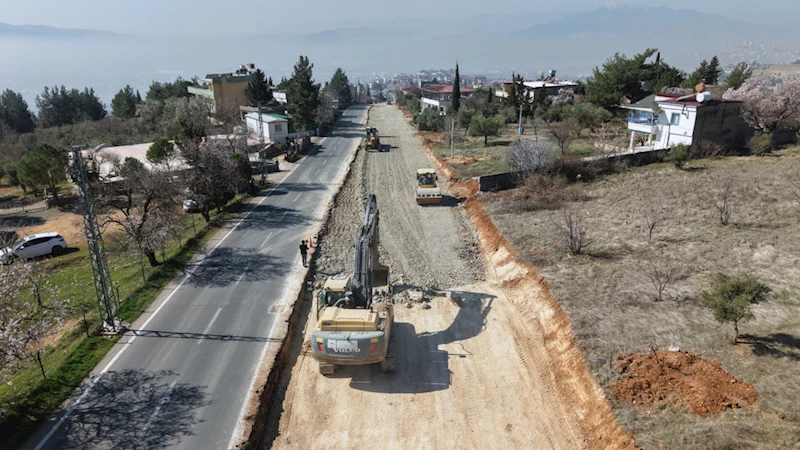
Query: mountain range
[[40, 31]]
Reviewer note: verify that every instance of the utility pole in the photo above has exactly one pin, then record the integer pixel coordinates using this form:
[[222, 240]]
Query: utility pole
[[107, 300], [260, 128], [519, 138]]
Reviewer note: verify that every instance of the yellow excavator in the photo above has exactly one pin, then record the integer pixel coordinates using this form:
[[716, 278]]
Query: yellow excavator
[[355, 313], [427, 192], [373, 140]]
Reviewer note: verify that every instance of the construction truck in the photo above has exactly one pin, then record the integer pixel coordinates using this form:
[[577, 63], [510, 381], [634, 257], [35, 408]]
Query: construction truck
[[355, 313], [373, 140], [427, 192]]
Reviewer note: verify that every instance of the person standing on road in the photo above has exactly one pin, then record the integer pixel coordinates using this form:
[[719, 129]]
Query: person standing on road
[[303, 252]]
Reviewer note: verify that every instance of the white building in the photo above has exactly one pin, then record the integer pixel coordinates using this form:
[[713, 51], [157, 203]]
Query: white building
[[668, 120], [273, 127]]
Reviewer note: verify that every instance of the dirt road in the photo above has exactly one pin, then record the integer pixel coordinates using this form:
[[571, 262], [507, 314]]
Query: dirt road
[[476, 375]]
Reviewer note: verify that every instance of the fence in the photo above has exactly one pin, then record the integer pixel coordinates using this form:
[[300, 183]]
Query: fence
[[22, 207]]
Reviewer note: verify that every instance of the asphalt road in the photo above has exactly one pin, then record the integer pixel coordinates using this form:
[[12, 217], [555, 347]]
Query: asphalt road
[[181, 378]]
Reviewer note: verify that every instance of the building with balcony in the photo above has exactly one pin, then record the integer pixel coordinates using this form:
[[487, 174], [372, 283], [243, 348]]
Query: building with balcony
[[440, 96], [670, 119], [225, 91]]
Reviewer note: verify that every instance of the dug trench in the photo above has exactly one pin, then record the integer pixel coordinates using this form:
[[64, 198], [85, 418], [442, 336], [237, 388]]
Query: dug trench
[[497, 369]]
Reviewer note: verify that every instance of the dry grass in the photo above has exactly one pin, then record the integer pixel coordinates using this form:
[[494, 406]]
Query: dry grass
[[610, 298]]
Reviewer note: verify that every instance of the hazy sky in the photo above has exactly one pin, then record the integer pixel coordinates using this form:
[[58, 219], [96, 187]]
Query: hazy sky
[[229, 17]]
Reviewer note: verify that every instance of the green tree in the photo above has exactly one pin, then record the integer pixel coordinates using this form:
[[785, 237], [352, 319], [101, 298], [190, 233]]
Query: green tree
[[692, 80], [89, 106], [741, 73], [486, 126], [678, 155], [456, 91], [14, 112], [626, 77], [161, 152], [465, 118], [169, 89], [713, 72], [340, 88], [303, 94], [258, 90], [123, 104], [730, 299], [59, 106], [44, 166], [430, 120], [588, 114], [244, 169]]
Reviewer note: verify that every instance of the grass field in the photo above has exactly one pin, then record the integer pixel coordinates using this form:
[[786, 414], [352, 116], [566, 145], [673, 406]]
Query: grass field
[[26, 398], [613, 307]]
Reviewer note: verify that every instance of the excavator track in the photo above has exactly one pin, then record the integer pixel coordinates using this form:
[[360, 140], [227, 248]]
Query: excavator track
[[389, 364], [327, 368]]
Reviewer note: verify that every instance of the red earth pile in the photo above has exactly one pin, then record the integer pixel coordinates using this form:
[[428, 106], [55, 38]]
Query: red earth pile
[[680, 379]]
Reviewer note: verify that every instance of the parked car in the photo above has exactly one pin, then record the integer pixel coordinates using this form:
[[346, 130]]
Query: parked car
[[191, 206], [34, 246]]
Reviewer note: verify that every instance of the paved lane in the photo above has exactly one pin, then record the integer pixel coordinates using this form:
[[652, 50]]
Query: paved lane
[[181, 378]]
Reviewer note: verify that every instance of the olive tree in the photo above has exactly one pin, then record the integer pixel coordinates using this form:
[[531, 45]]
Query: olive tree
[[731, 297]]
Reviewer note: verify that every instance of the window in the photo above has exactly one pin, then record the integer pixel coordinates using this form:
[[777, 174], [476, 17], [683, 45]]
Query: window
[[676, 119], [278, 128]]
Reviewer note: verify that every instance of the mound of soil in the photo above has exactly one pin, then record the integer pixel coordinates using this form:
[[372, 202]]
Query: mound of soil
[[680, 379], [465, 160]]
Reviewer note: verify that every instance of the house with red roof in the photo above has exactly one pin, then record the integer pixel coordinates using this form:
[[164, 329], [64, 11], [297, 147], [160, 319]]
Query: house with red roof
[[440, 96], [671, 119]]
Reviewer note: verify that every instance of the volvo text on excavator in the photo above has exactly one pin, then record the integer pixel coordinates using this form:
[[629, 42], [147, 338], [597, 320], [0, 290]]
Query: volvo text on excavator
[[355, 313]]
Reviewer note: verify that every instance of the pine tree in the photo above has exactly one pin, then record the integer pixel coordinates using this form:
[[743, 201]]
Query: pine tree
[[270, 82], [14, 112], [258, 90], [303, 94], [712, 72], [340, 87], [741, 73], [123, 105], [456, 91]]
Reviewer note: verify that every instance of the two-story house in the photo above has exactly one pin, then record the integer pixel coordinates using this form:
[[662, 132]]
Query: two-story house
[[670, 119]]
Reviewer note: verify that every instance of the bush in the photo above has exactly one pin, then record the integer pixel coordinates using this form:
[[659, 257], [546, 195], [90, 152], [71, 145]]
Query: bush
[[760, 144], [430, 120], [730, 298], [509, 114], [574, 169], [708, 149], [547, 192], [529, 157], [678, 155]]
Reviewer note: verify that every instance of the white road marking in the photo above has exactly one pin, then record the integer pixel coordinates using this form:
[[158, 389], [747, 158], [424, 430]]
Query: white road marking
[[324, 162], [238, 432], [317, 172], [205, 332], [266, 240], [144, 325], [158, 409], [298, 195], [284, 214], [241, 277]]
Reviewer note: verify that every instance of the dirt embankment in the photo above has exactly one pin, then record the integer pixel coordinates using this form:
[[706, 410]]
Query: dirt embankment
[[496, 369]]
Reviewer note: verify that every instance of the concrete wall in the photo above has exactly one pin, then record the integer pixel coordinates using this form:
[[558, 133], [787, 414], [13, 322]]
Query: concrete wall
[[722, 123]]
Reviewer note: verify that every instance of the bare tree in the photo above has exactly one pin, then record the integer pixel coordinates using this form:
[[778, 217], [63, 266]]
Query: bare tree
[[724, 198], [564, 133], [145, 208], [571, 232], [29, 316], [603, 138], [213, 177], [233, 130], [662, 275], [652, 216], [531, 157]]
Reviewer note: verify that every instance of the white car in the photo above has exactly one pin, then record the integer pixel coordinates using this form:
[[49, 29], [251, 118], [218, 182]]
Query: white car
[[34, 246]]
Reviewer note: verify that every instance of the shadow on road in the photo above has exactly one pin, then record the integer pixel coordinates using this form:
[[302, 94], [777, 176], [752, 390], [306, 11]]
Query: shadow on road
[[265, 217], [133, 409], [201, 336], [422, 366], [229, 265]]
